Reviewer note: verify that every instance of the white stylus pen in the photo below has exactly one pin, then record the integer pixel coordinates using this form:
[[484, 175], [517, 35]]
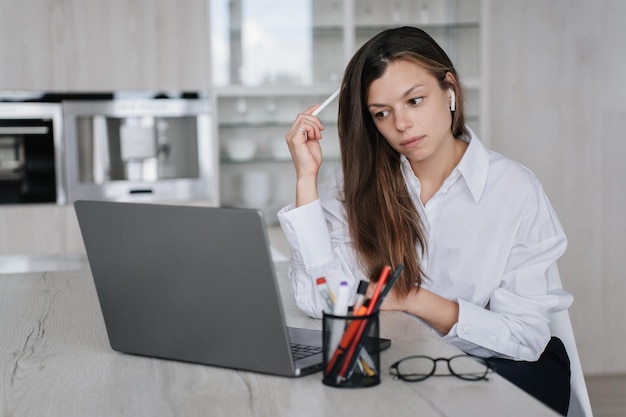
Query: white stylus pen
[[325, 103]]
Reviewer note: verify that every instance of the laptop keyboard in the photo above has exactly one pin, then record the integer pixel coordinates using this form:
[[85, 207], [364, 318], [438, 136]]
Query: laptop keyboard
[[303, 351]]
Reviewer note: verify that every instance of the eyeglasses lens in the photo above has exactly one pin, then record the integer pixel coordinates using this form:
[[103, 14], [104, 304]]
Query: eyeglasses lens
[[467, 367], [416, 368]]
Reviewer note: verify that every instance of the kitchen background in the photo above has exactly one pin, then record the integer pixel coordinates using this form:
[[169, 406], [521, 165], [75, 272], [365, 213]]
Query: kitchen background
[[545, 82]]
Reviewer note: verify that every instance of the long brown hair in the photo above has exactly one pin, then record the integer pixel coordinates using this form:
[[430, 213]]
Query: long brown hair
[[383, 222]]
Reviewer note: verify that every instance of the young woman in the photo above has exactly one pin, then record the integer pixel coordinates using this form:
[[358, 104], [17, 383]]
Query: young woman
[[474, 230]]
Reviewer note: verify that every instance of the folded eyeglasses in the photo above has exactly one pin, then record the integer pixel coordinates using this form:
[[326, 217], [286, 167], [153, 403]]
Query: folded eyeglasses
[[418, 368]]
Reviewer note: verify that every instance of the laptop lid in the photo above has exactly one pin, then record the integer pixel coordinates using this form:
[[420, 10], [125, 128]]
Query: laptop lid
[[194, 284]]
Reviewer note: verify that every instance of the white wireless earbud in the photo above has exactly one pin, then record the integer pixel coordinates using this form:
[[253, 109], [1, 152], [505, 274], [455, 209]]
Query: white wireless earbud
[[452, 99]]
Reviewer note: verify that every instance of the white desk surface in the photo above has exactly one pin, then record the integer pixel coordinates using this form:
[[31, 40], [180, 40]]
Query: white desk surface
[[55, 360]]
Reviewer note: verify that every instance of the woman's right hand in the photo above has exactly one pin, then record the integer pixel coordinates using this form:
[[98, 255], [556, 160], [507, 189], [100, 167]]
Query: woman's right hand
[[303, 140]]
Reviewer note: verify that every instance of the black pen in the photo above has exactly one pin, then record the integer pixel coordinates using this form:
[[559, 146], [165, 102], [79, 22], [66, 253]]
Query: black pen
[[360, 295], [390, 283]]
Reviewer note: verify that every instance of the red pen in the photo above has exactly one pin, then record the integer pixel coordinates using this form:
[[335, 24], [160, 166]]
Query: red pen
[[379, 287]]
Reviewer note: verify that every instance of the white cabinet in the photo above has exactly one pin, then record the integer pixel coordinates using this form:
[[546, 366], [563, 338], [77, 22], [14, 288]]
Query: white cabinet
[[38, 229], [272, 59]]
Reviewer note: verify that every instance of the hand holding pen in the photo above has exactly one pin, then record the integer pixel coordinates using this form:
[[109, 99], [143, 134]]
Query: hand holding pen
[[303, 140], [307, 125]]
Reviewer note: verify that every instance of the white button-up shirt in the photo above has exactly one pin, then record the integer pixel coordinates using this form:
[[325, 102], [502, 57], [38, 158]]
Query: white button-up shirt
[[491, 236]]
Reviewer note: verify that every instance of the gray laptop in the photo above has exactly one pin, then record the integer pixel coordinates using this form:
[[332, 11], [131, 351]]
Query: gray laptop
[[193, 284]]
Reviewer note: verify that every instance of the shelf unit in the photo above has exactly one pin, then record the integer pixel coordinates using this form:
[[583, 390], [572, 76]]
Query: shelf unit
[[254, 109], [251, 131]]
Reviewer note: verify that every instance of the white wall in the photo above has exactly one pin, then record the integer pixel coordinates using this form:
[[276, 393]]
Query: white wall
[[557, 71], [103, 45]]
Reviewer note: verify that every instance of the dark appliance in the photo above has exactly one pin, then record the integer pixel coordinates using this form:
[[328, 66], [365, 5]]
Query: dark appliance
[[31, 167]]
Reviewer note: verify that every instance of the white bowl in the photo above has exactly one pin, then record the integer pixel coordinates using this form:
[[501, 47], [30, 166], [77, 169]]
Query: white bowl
[[241, 149]]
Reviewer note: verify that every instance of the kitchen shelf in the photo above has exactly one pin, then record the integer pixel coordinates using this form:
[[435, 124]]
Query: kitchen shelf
[[265, 124], [318, 89], [427, 27], [261, 160]]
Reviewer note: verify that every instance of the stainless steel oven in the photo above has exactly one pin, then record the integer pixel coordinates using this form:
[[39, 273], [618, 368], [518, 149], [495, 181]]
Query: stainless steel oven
[[31, 166], [138, 149]]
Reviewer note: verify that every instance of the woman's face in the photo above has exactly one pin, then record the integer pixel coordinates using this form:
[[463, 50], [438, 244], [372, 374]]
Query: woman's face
[[411, 110]]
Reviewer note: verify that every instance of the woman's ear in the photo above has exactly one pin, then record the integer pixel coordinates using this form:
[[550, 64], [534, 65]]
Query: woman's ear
[[449, 78], [451, 81]]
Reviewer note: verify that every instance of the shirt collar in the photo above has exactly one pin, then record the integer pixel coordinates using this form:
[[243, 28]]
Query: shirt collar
[[473, 166]]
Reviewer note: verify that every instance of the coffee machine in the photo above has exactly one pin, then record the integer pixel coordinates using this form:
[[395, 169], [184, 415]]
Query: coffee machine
[[141, 148]]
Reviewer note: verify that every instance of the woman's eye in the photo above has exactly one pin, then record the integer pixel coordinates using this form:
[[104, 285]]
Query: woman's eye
[[415, 101], [381, 114]]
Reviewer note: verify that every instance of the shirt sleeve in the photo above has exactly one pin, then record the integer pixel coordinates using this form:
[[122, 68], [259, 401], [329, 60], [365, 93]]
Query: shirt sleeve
[[320, 247], [515, 323]]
